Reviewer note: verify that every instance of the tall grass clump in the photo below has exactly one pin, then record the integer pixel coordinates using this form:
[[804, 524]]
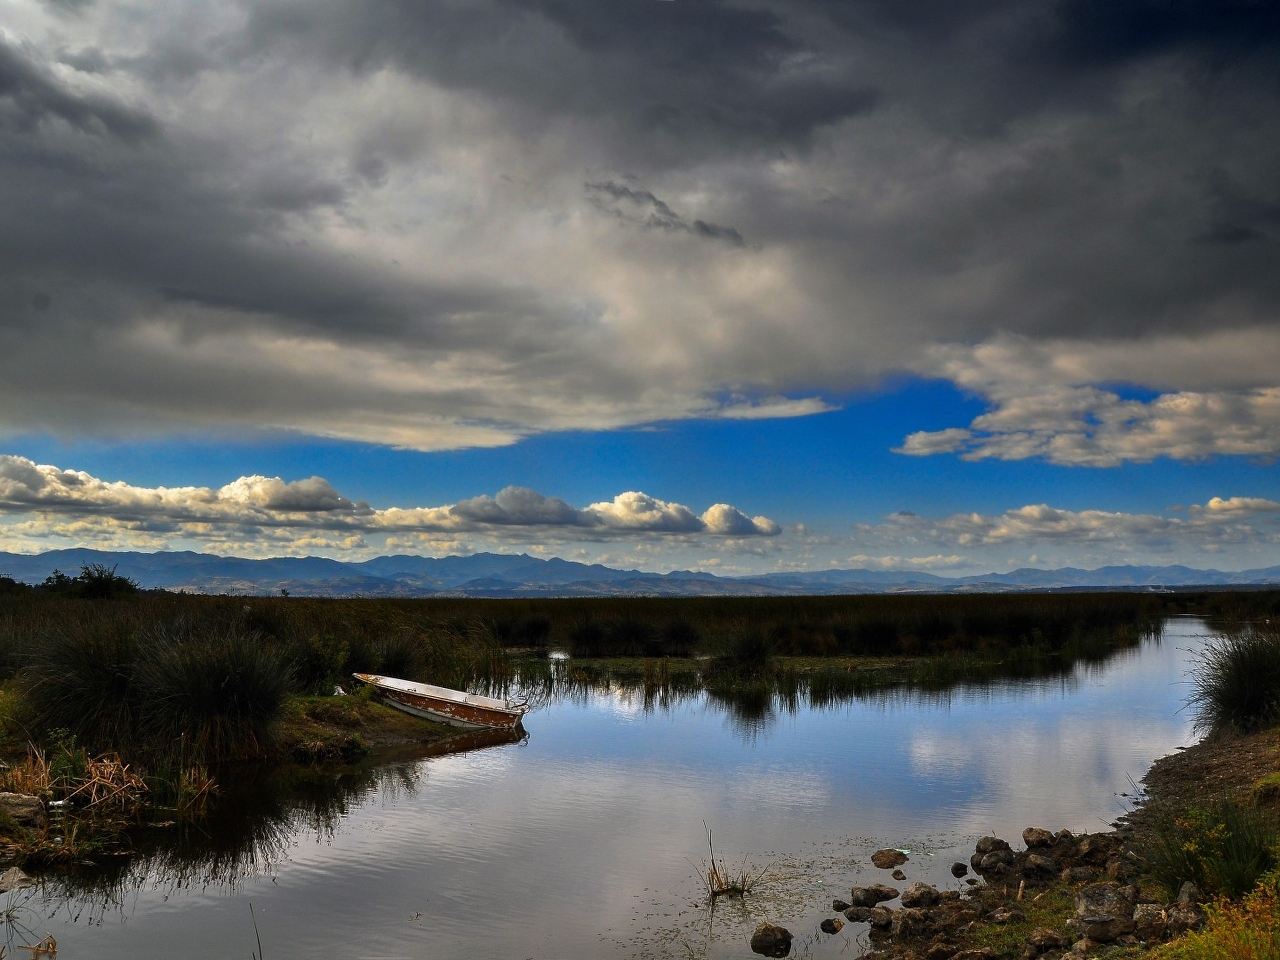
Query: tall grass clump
[[1224, 848], [1236, 681], [81, 679], [212, 695]]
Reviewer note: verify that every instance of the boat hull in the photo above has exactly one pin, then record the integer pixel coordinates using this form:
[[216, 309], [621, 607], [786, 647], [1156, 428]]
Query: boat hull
[[447, 709]]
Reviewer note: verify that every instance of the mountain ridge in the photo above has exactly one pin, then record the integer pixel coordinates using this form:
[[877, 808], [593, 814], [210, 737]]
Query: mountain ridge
[[520, 575]]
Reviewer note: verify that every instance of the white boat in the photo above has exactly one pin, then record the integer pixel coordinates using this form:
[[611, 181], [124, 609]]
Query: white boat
[[454, 707]]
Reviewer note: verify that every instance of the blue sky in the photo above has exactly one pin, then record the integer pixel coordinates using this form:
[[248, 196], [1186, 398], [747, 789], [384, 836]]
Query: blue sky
[[731, 285]]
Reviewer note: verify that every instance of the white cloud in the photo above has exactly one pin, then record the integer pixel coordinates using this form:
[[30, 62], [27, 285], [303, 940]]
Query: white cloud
[[42, 501], [1047, 402]]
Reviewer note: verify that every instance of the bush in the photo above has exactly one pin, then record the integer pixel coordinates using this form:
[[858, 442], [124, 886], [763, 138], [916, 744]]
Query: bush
[[81, 679], [1245, 931], [1223, 849], [212, 696], [1236, 681]]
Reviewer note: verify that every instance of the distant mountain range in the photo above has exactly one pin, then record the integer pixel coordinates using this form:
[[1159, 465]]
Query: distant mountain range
[[504, 575]]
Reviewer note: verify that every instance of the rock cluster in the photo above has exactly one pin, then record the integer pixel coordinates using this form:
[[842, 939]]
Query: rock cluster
[[929, 922]]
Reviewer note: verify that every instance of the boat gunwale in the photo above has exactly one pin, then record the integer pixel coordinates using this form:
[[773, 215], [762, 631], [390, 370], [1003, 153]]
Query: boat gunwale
[[448, 694]]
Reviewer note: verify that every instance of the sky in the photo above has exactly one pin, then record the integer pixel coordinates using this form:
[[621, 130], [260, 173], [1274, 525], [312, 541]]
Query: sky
[[728, 285]]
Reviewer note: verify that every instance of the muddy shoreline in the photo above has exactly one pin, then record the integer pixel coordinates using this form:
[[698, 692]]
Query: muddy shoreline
[[1058, 895]]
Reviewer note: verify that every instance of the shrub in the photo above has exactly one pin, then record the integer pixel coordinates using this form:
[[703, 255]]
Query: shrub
[[81, 679], [212, 696], [1223, 849], [1236, 681], [1249, 930]]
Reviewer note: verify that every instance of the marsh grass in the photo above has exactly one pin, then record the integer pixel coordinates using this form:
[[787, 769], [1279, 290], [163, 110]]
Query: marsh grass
[[1224, 848], [1247, 930], [1236, 680], [723, 881]]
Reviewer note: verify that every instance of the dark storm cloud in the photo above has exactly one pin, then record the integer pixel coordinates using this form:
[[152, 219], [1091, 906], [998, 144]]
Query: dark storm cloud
[[711, 73], [500, 216], [636, 205], [30, 95]]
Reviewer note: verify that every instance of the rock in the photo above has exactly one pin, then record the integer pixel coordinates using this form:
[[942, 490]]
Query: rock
[[1104, 911], [1042, 939], [831, 926], [898, 875], [941, 950], [1104, 929], [28, 811], [14, 879], [1036, 837], [1149, 921], [1182, 917], [920, 895], [1063, 836], [881, 917], [959, 869], [1094, 848], [1118, 869], [839, 906], [1188, 893], [771, 941], [1105, 899], [910, 922], [989, 844], [982, 953], [1041, 864], [1078, 874], [1005, 914], [949, 896], [888, 858], [995, 860], [870, 896], [859, 914], [1084, 947]]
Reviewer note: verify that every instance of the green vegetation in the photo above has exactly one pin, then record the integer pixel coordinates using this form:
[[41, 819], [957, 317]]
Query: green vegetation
[[1224, 847], [1248, 930], [1237, 680]]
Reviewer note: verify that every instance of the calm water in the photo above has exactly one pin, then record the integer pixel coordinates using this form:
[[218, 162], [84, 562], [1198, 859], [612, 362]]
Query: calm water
[[584, 840]]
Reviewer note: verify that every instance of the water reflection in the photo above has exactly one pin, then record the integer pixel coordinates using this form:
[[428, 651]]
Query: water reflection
[[582, 842]]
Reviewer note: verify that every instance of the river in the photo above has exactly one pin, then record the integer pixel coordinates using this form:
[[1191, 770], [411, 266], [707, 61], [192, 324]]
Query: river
[[584, 841]]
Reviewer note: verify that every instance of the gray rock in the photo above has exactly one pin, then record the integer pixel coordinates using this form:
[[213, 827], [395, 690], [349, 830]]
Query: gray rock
[[1078, 874], [1106, 929], [28, 811], [1036, 863], [1042, 938], [1188, 893], [1104, 911], [959, 869], [860, 914], [839, 906], [989, 844], [14, 879], [994, 860], [888, 858], [1149, 921], [898, 875], [881, 917], [1094, 848], [1036, 837], [910, 922], [831, 925], [771, 941], [920, 895], [870, 896], [1005, 914], [1182, 917]]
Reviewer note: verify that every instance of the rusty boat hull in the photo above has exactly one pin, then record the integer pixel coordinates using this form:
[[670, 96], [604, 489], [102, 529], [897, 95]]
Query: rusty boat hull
[[469, 711]]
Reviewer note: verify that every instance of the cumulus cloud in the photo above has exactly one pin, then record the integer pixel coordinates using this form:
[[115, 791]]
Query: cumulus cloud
[[452, 225], [1044, 403], [1043, 535], [42, 500]]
